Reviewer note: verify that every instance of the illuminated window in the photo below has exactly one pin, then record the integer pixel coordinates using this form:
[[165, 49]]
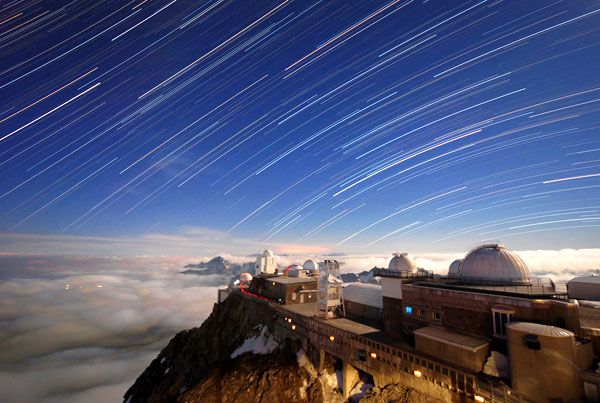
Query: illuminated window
[[436, 316], [421, 313], [408, 310]]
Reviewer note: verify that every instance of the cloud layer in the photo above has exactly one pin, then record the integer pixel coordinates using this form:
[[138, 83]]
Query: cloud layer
[[72, 336]]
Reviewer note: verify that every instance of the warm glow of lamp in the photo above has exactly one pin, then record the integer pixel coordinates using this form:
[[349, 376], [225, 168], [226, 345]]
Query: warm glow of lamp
[[293, 327], [331, 338], [417, 373], [289, 320], [479, 398], [373, 355]]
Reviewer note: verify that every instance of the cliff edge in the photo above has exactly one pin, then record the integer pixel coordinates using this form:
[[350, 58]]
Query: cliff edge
[[197, 364], [234, 357]]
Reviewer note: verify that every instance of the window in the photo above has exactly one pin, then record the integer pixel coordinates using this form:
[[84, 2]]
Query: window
[[500, 318], [293, 296], [408, 310], [436, 316], [421, 313]]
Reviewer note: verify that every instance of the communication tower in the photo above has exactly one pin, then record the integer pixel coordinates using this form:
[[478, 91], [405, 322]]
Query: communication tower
[[330, 302]]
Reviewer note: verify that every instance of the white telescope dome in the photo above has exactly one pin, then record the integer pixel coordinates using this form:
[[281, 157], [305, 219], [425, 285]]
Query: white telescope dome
[[402, 262]]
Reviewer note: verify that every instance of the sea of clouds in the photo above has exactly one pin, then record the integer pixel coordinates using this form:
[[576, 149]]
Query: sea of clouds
[[81, 329]]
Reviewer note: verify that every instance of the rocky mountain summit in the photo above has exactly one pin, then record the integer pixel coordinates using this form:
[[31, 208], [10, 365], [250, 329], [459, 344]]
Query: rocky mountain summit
[[233, 357], [219, 266]]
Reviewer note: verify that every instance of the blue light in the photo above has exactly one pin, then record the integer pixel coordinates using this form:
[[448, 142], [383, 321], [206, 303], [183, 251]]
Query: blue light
[[408, 310]]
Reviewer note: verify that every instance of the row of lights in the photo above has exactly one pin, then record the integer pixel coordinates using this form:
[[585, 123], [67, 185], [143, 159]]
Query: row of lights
[[289, 320], [477, 398], [416, 372]]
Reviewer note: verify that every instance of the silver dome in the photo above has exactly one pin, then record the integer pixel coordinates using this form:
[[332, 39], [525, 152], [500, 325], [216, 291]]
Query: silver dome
[[402, 262], [311, 265], [454, 267], [268, 253], [493, 262]]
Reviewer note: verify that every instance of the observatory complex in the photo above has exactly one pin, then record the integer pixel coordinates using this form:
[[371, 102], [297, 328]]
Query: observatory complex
[[485, 331]]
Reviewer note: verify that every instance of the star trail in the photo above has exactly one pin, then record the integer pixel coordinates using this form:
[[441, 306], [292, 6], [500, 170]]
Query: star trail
[[348, 124]]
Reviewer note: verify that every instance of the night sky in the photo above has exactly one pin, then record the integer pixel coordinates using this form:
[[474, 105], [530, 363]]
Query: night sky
[[354, 125]]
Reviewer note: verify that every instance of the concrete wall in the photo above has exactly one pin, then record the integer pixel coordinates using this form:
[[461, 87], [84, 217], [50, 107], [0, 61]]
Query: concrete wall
[[362, 311], [472, 359], [545, 374]]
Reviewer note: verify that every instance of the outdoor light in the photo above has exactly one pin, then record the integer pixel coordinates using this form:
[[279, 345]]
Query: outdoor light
[[293, 327], [289, 320], [331, 338], [417, 373], [479, 398], [373, 355]]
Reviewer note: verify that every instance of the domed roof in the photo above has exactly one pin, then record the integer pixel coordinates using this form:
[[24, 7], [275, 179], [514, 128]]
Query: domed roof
[[245, 278], [268, 253], [311, 265], [493, 262], [402, 262], [454, 266]]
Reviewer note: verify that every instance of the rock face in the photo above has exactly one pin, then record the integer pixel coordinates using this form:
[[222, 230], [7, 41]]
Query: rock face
[[219, 266], [196, 365]]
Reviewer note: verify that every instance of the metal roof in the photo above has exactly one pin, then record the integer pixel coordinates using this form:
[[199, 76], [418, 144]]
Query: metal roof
[[593, 279], [493, 262], [367, 294], [442, 334], [292, 280], [540, 330]]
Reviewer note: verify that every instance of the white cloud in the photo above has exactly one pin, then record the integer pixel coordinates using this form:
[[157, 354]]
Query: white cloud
[[85, 339]]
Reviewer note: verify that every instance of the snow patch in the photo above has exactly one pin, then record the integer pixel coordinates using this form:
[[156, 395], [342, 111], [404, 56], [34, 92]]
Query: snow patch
[[163, 360], [264, 343], [305, 363], [497, 365], [167, 370]]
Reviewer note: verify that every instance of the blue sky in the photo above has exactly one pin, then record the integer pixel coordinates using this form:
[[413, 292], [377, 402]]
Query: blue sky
[[346, 126]]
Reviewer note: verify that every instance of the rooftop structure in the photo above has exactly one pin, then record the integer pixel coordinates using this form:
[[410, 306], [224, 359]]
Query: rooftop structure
[[493, 263], [311, 265], [266, 263], [585, 287], [329, 297], [366, 294], [454, 267], [402, 262]]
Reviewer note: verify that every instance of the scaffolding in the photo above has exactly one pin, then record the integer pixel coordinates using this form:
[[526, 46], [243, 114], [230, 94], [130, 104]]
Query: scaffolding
[[330, 302]]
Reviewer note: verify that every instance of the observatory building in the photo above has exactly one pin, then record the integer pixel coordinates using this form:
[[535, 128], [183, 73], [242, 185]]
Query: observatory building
[[486, 331], [266, 263]]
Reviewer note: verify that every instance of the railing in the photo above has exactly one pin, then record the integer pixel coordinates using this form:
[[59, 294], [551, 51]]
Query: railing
[[532, 286], [402, 274]]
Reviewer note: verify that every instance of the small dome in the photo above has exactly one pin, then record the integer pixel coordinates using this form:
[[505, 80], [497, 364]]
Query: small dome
[[311, 265], [493, 262], [245, 278], [268, 253], [454, 266], [402, 262]]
